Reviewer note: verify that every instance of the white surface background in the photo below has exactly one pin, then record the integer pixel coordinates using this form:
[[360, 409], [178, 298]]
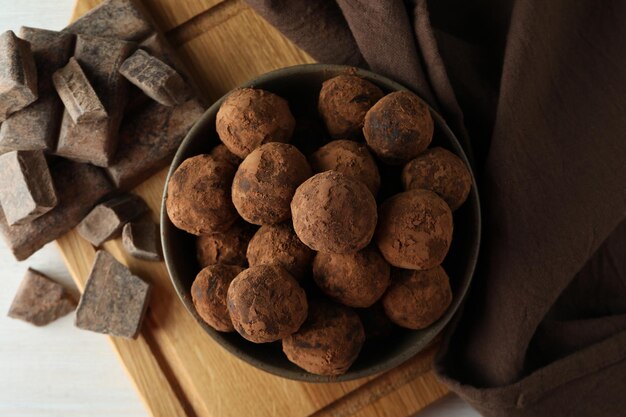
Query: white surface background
[[59, 370]]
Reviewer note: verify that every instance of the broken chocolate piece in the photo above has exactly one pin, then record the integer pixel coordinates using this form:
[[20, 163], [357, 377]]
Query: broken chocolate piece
[[18, 74], [26, 188], [40, 301], [141, 240], [107, 219], [155, 78], [114, 301], [37, 126], [79, 187], [77, 94], [148, 140], [121, 19], [96, 142]]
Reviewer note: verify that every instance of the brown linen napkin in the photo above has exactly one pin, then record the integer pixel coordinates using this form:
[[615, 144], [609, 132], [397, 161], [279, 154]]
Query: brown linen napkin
[[536, 90]]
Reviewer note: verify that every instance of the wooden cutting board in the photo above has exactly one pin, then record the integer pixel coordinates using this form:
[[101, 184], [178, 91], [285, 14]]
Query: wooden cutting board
[[177, 369]]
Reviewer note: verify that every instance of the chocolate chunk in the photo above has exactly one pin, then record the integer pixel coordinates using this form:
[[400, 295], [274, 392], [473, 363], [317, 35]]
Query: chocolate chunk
[[96, 142], [157, 46], [18, 74], [26, 189], [141, 240], [78, 96], [40, 301], [79, 187], [155, 78], [114, 301], [121, 19], [148, 140], [37, 126], [107, 219]]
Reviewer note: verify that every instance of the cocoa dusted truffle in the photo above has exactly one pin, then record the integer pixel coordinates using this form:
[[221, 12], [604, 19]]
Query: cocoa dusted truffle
[[328, 342], [250, 117], [416, 299], [344, 100], [441, 171], [279, 245], [399, 127], [198, 195], [266, 181], [415, 230], [350, 158], [222, 152], [208, 293], [334, 213], [227, 247], [266, 303], [355, 279]]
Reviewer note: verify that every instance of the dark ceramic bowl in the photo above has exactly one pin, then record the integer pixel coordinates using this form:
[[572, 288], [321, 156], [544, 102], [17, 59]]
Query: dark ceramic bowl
[[300, 85]]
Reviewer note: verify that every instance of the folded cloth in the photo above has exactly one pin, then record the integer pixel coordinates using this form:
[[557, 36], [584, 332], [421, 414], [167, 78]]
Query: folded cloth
[[536, 91]]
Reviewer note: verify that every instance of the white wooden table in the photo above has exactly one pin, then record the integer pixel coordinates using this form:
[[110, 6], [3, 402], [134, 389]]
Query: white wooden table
[[59, 370]]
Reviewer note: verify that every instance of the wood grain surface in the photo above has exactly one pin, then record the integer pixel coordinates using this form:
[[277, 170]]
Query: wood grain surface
[[177, 369]]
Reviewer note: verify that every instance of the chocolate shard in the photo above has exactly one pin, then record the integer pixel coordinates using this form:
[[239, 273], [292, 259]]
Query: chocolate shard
[[141, 240], [18, 74], [26, 188], [77, 94], [114, 301], [155, 78], [121, 19], [79, 187], [107, 219], [148, 140], [157, 46], [37, 126], [96, 142], [40, 300]]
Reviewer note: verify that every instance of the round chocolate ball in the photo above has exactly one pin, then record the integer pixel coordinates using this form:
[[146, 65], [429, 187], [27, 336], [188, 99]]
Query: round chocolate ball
[[250, 117], [328, 342], [222, 152], [334, 213], [416, 299], [399, 127], [441, 171], [266, 304], [227, 247], [344, 100], [266, 181], [350, 158], [208, 293], [356, 279], [279, 245], [198, 195], [415, 229]]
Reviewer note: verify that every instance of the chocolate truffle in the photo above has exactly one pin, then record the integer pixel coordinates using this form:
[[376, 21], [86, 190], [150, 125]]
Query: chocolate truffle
[[198, 195], [208, 293], [415, 230], [350, 158], [441, 171], [266, 303], [266, 181], [355, 279], [416, 299], [279, 245], [227, 247], [398, 127], [334, 213], [222, 152], [328, 342], [344, 100], [250, 117]]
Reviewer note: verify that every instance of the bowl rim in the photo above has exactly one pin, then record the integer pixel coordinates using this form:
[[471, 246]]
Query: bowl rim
[[302, 375]]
